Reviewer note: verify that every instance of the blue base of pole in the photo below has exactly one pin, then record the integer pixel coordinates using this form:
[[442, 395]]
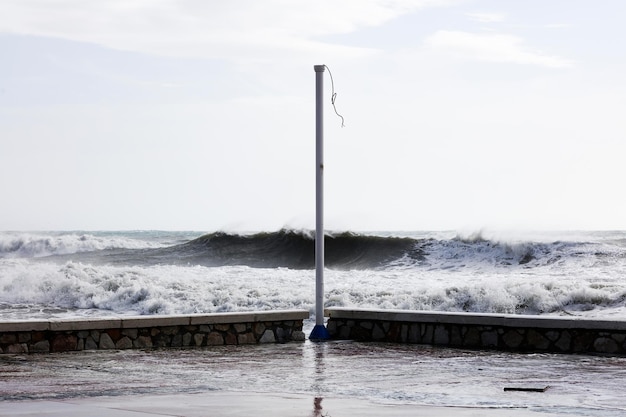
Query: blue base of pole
[[319, 333]]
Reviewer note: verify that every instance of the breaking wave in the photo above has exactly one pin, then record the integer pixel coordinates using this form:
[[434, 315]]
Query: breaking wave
[[295, 249]]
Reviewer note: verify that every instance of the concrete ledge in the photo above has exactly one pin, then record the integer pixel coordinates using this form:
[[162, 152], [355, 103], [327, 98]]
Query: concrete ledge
[[84, 324], [224, 318], [511, 320], [134, 322], [19, 326], [141, 332], [413, 316], [480, 330]]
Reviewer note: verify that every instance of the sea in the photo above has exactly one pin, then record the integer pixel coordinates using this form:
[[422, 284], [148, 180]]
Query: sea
[[70, 274]]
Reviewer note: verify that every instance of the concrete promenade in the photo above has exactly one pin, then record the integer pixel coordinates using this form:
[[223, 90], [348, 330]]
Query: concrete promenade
[[241, 404]]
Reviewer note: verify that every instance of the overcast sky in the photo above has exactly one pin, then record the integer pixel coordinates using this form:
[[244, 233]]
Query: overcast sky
[[200, 115]]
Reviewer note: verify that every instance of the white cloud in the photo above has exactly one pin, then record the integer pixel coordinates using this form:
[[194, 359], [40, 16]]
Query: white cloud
[[204, 28], [493, 47], [486, 17]]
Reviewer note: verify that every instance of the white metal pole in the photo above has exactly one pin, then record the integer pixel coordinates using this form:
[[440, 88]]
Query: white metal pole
[[319, 331]]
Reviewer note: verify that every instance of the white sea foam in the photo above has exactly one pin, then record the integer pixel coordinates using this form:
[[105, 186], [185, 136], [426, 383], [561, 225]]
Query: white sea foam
[[161, 289], [34, 245], [82, 288]]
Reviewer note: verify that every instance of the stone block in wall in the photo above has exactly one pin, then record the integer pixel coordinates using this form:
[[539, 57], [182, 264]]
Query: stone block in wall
[[169, 330], [489, 338], [393, 332], [259, 328], [143, 342], [471, 338], [427, 331], [106, 342], [187, 339], [23, 337], [368, 325], [298, 336], [455, 336], [114, 334], [16, 348], [268, 337], [414, 333], [198, 339], [282, 334], [583, 341], [214, 339], [131, 333], [90, 344], [440, 335], [605, 345], [162, 340], [177, 340], [230, 338], [378, 332], [536, 340], [564, 342], [512, 339], [404, 333], [345, 333], [246, 338], [124, 343], [355, 333], [38, 337], [42, 346], [63, 343], [222, 327], [8, 338], [553, 335]]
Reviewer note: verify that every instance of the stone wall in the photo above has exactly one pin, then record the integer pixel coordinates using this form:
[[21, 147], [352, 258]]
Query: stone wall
[[152, 332], [480, 331]]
